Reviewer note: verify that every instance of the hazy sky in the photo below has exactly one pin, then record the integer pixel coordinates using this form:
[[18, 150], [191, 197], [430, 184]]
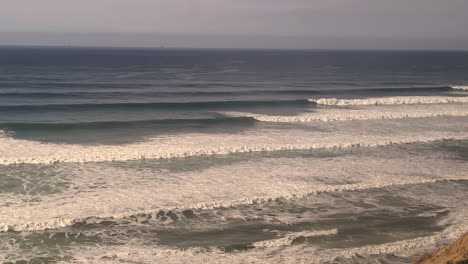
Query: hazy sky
[[237, 23]]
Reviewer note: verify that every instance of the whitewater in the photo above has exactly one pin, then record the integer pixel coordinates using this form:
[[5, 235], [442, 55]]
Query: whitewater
[[16, 151], [391, 100], [230, 156]]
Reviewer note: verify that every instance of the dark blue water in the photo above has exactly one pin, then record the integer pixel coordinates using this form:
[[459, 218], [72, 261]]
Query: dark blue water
[[114, 86]]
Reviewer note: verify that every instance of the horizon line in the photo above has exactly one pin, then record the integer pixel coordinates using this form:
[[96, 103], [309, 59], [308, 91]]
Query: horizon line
[[162, 47]]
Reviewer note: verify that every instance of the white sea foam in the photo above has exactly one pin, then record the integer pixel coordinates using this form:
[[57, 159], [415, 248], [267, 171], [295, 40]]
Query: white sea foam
[[289, 238], [388, 170], [405, 247], [397, 100], [365, 113], [66, 213], [291, 254], [38, 153], [462, 87], [336, 135], [352, 116], [125, 192]]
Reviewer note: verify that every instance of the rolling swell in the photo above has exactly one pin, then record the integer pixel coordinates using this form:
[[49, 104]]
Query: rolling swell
[[15, 127], [60, 93], [168, 105], [155, 99], [123, 84]]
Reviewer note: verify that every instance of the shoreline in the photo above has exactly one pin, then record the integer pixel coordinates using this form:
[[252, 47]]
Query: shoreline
[[454, 253]]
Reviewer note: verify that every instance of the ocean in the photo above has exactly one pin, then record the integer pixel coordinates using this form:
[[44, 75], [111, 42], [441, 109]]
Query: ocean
[[113, 155]]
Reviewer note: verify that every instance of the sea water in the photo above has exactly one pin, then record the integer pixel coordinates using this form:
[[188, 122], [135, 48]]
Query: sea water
[[230, 156]]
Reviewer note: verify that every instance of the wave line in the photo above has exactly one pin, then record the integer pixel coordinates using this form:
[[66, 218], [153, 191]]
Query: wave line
[[391, 100], [16, 225]]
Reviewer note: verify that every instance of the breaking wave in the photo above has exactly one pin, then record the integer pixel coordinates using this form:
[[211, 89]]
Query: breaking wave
[[391, 100], [330, 118], [365, 113], [161, 100], [465, 88], [45, 218], [288, 239], [16, 151], [292, 254]]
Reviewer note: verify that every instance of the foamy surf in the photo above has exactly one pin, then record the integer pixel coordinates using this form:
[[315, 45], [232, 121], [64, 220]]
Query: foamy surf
[[364, 113], [291, 254], [349, 117], [397, 100], [15, 151], [462, 87], [128, 192], [60, 216], [131, 159], [288, 239]]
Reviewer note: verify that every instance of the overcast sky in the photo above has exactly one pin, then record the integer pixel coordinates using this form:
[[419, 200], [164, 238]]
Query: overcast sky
[[237, 23]]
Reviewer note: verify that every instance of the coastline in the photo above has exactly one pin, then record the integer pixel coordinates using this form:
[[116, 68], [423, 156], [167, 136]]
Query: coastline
[[454, 253]]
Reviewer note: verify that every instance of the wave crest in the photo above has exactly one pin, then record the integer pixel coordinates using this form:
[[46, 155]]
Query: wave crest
[[45, 222], [289, 238], [461, 87], [391, 100], [293, 254], [16, 151], [365, 113]]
